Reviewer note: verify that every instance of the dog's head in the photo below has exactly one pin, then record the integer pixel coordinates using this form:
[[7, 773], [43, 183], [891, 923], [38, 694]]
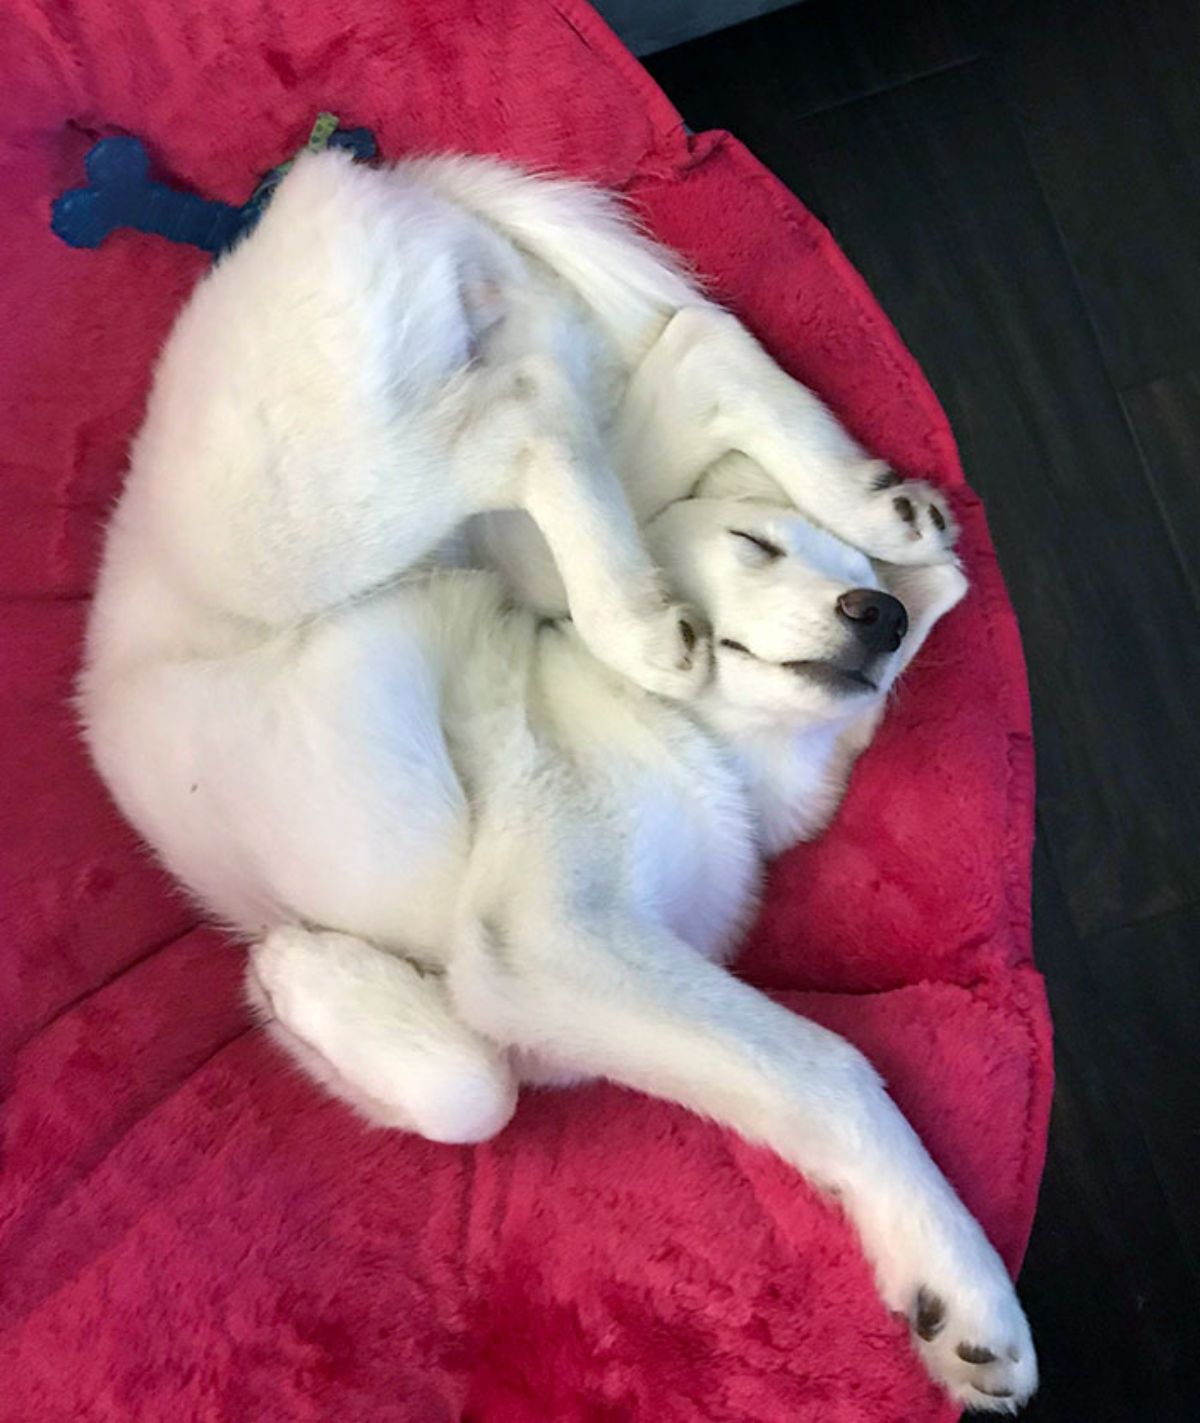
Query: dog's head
[[806, 629]]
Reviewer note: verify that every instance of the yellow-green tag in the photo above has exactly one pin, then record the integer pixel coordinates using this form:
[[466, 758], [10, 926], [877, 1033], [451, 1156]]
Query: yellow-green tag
[[324, 128]]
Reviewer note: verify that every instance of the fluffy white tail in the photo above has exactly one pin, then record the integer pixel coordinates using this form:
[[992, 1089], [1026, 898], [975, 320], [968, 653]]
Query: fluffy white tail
[[581, 233]]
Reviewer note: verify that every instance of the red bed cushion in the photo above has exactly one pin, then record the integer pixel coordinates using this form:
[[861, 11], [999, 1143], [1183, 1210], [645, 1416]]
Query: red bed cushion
[[187, 1228]]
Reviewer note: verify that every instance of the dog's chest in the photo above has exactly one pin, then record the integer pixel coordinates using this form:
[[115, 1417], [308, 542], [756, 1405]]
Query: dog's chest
[[695, 865], [691, 856], [657, 809]]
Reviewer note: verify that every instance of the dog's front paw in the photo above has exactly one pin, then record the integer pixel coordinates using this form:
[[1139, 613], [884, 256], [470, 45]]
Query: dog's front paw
[[974, 1339], [905, 521], [938, 1269]]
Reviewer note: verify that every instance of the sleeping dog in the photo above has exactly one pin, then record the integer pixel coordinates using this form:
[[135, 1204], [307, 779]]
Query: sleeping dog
[[482, 609]]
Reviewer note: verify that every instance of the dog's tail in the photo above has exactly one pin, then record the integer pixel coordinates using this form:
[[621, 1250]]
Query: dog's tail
[[630, 284]]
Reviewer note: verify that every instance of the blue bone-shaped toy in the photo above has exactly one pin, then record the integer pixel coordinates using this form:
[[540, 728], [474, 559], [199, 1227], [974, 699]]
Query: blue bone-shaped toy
[[120, 193]]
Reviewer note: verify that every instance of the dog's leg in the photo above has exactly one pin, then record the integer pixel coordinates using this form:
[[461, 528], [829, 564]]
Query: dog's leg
[[707, 388], [637, 1006], [322, 420], [379, 1034], [320, 424]]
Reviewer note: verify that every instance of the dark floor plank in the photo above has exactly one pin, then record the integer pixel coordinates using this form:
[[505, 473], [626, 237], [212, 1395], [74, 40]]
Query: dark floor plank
[[928, 188], [1150, 979], [813, 56], [1165, 416], [1107, 95], [1107, 1281]]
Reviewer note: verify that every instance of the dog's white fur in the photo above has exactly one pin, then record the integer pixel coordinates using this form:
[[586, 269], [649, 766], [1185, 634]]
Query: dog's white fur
[[477, 843]]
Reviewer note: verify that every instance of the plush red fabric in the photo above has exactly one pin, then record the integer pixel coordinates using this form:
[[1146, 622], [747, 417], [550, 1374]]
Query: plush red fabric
[[190, 1230]]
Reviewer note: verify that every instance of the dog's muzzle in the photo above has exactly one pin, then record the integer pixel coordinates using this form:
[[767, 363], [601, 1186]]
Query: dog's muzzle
[[877, 620]]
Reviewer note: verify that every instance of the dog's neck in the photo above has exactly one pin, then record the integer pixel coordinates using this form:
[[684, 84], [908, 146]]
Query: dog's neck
[[795, 780]]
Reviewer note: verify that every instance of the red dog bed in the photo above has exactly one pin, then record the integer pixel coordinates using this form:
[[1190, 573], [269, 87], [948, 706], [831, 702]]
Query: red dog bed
[[188, 1229]]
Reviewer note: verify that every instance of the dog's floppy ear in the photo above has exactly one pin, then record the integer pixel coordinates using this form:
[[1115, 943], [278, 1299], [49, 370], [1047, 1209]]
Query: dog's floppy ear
[[928, 591]]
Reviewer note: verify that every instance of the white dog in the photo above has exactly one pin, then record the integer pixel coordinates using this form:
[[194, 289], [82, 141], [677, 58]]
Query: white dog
[[477, 842]]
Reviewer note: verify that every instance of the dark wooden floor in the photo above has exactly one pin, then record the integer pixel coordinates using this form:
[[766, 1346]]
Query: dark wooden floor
[[1020, 184]]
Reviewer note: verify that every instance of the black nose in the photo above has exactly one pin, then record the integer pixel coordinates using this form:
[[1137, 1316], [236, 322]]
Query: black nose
[[877, 620]]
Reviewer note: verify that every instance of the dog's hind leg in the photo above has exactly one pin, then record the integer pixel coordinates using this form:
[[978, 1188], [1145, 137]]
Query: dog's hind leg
[[295, 451], [629, 1002], [322, 420], [380, 1034]]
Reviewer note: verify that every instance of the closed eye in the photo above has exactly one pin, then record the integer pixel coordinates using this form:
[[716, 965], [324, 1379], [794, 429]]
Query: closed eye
[[772, 551], [736, 646]]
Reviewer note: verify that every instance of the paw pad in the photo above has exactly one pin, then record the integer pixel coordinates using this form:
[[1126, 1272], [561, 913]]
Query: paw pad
[[970, 1354], [931, 1315], [905, 508]]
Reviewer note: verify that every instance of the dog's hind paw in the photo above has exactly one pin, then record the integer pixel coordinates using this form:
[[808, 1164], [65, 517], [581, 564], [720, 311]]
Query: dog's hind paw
[[682, 662], [663, 647], [674, 652]]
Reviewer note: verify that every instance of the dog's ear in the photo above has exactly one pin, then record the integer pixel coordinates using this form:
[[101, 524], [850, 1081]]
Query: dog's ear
[[928, 592]]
